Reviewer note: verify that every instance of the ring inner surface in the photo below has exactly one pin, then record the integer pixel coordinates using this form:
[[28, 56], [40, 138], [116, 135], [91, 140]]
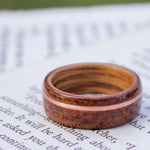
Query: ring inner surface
[[93, 80]]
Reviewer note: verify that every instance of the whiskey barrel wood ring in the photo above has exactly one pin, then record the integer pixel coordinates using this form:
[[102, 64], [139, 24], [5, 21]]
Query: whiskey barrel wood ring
[[92, 96]]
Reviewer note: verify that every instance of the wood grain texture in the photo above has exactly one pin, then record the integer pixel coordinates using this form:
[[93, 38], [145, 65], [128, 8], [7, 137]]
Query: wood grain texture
[[92, 96]]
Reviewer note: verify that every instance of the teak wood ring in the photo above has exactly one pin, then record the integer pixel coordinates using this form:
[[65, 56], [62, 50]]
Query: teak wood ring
[[92, 96]]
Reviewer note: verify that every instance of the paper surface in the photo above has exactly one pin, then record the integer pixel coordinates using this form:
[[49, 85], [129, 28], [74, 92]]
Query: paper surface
[[28, 36], [24, 124]]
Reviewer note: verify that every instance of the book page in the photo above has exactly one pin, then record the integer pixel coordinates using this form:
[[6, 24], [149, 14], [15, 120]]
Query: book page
[[53, 31], [25, 126]]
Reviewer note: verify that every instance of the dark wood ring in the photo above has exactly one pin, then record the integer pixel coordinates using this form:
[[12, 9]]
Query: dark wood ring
[[92, 96]]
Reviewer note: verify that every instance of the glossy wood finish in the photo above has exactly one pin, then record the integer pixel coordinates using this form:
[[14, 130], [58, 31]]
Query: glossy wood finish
[[92, 96]]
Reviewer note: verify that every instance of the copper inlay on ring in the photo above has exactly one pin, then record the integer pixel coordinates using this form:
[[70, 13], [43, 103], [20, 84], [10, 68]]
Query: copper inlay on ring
[[92, 96]]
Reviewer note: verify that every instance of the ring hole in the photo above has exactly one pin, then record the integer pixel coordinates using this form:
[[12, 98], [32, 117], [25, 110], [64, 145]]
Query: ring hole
[[93, 80]]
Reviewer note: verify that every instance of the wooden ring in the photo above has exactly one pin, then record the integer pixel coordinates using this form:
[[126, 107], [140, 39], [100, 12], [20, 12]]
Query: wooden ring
[[92, 96]]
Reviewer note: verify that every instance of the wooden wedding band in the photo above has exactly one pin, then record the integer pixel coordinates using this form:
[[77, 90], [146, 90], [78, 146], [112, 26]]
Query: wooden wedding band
[[92, 96]]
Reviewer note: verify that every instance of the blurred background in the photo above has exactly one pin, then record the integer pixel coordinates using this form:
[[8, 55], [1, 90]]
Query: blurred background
[[30, 4], [33, 30]]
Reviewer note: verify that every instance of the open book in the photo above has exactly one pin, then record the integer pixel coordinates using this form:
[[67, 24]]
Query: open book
[[53, 31], [25, 126]]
